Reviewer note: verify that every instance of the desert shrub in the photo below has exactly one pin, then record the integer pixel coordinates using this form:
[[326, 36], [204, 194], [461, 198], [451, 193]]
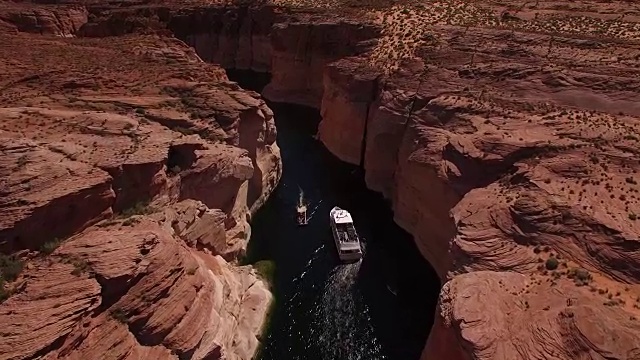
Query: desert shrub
[[580, 276], [4, 294], [50, 246], [551, 263], [10, 267], [119, 315], [583, 274], [130, 222], [22, 161], [184, 131], [266, 270], [80, 266], [139, 208]]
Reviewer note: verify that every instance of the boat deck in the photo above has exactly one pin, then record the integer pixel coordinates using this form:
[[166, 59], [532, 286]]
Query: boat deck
[[346, 233]]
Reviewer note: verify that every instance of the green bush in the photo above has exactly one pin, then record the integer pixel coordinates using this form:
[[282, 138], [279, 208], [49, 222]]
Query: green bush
[[266, 270], [139, 208], [80, 266], [50, 246], [551, 263], [119, 315], [10, 267]]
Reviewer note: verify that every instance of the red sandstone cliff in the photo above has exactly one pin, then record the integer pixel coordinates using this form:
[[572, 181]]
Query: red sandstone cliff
[[508, 153], [506, 144], [516, 175], [142, 164]]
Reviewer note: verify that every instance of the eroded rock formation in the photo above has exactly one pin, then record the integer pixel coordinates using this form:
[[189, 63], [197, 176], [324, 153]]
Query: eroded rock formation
[[505, 137], [509, 154], [142, 165], [137, 288]]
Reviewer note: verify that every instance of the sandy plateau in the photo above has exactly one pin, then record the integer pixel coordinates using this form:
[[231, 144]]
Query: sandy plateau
[[505, 134]]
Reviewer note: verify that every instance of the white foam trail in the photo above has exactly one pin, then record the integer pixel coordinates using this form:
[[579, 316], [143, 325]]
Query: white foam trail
[[315, 209], [338, 328]]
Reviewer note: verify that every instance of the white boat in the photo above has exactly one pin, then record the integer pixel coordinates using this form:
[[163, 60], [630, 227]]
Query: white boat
[[345, 235]]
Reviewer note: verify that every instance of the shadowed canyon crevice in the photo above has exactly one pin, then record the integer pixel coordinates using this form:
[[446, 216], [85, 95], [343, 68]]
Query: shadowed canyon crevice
[[433, 148], [503, 136], [327, 310]]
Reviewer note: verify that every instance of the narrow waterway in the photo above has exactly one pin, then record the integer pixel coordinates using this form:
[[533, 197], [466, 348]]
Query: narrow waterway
[[379, 308]]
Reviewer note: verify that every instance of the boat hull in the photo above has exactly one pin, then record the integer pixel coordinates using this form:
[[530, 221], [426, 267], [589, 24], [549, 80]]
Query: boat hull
[[347, 254], [349, 258]]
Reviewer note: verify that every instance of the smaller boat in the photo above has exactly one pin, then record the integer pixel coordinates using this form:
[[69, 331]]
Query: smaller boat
[[301, 210], [345, 235]]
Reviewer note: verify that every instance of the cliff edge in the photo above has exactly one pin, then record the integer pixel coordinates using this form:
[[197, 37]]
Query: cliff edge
[[129, 170], [504, 134]]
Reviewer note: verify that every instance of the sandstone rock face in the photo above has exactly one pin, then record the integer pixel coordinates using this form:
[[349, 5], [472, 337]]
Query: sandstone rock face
[[46, 195], [234, 37], [91, 151], [346, 101], [294, 48], [61, 300], [506, 140], [114, 156], [154, 295], [300, 52], [482, 315], [501, 176], [62, 21], [502, 155]]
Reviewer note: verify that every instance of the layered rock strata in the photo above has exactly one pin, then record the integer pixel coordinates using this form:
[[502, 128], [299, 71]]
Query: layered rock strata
[[508, 154], [128, 175], [518, 190], [137, 288], [505, 138]]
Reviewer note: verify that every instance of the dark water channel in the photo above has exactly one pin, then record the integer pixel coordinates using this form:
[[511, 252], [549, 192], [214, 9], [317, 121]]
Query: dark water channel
[[379, 308]]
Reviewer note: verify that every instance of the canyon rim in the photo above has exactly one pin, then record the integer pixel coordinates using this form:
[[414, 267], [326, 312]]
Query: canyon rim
[[505, 136]]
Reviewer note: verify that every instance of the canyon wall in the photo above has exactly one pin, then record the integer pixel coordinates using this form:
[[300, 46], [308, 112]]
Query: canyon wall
[[475, 143], [129, 174], [501, 165], [292, 47], [508, 149]]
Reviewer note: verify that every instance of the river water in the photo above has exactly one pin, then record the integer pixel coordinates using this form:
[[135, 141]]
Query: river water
[[379, 308]]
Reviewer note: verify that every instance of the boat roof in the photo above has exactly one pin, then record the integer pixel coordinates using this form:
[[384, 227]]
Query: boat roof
[[341, 216]]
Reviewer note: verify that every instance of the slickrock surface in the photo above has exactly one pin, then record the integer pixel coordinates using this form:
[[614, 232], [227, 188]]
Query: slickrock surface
[[505, 135], [532, 141], [150, 294], [94, 134], [121, 125]]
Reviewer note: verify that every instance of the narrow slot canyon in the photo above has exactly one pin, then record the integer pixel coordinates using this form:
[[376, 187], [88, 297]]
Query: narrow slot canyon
[[488, 153], [381, 308]]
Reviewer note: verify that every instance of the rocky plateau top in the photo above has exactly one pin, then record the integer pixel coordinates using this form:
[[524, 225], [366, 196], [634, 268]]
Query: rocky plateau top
[[505, 134]]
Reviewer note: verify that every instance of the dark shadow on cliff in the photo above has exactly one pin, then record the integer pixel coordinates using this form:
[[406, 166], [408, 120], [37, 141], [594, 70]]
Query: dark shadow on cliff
[[381, 308]]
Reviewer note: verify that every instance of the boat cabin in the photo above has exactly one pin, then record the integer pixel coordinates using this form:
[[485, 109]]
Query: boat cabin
[[345, 235]]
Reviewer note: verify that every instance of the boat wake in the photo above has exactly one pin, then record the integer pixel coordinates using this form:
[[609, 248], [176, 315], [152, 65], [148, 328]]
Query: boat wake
[[316, 254], [340, 331], [315, 209]]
